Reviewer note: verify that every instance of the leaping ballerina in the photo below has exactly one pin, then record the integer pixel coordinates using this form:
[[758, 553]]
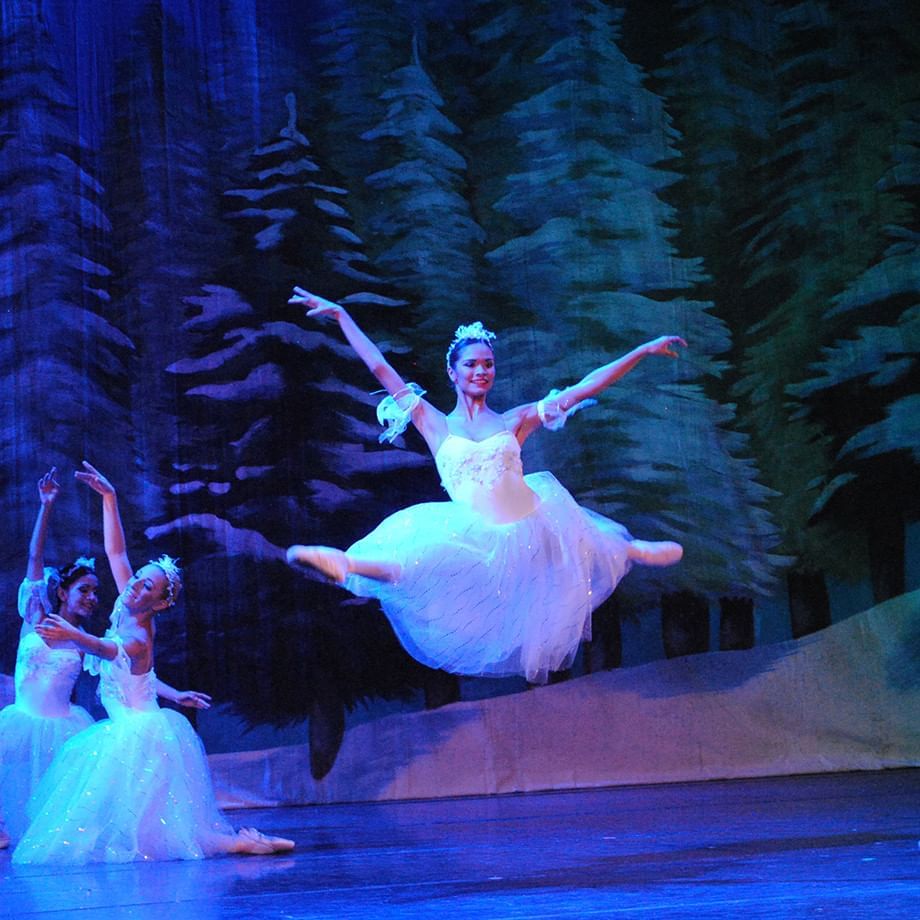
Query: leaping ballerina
[[503, 578]]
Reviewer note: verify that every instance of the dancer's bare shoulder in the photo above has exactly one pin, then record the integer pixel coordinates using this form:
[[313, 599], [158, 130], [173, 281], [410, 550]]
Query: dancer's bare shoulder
[[522, 420]]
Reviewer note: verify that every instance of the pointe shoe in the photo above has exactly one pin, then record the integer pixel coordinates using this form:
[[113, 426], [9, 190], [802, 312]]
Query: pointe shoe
[[659, 554], [332, 563], [255, 843]]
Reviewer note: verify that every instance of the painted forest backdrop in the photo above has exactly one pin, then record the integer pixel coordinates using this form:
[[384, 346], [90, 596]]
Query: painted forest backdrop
[[580, 175]]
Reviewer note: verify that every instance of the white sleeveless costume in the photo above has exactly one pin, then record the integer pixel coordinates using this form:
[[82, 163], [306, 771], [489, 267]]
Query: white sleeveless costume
[[503, 578], [36, 726], [135, 786]]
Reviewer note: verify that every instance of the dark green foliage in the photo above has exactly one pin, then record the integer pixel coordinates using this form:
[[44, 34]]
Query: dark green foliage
[[589, 253], [423, 233], [864, 389], [820, 227]]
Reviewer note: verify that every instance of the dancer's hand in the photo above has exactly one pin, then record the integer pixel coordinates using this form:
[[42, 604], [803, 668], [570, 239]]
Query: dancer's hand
[[192, 699], [48, 487], [317, 306], [55, 628], [94, 479], [665, 345]]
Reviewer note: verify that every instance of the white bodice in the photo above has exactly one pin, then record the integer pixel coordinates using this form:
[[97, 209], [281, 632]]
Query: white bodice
[[44, 676], [487, 476], [120, 691]]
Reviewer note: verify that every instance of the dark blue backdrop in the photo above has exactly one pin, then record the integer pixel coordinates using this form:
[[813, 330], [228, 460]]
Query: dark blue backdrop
[[580, 175]]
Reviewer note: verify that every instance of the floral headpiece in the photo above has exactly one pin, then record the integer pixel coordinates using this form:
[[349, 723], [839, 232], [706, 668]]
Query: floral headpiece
[[170, 569], [476, 332], [67, 575], [81, 562]]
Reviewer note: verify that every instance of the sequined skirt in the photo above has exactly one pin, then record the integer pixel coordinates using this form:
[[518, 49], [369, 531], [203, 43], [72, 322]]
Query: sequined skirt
[[136, 787], [480, 598], [28, 744]]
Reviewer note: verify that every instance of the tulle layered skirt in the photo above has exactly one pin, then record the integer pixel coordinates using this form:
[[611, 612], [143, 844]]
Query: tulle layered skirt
[[28, 744], [480, 598], [133, 787]]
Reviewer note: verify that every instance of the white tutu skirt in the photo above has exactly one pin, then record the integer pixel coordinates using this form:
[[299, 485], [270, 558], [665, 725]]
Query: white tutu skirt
[[135, 787], [28, 744], [480, 598]]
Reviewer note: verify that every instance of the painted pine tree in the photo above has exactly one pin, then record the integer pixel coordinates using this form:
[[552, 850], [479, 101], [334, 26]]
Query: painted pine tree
[[356, 46], [164, 177], [719, 83], [866, 385], [422, 230], [590, 253], [816, 227], [63, 361], [281, 437], [721, 88]]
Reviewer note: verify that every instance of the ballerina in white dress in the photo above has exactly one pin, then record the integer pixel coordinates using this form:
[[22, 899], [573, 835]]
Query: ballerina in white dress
[[501, 579], [135, 786], [35, 727]]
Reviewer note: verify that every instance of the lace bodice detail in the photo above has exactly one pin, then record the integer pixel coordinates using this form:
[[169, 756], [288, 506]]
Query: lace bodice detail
[[119, 689], [463, 462], [487, 475], [44, 676]]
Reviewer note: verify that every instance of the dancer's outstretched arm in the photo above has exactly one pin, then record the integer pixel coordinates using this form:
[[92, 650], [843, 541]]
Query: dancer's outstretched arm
[[48, 490], [524, 419], [191, 699], [429, 421], [320, 308], [55, 627], [32, 608], [601, 378], [112, 529]]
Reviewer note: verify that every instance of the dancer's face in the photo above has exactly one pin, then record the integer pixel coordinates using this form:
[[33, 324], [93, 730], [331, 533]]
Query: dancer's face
[[473, 371], [146, 589], [79, 598]]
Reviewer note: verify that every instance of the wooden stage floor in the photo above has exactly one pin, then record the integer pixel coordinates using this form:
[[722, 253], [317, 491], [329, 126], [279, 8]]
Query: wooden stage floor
[[831, 846]]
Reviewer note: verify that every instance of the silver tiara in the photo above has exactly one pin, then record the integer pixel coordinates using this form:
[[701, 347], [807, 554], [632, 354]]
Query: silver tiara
[[85, 562], [475, 331], [173, 576]]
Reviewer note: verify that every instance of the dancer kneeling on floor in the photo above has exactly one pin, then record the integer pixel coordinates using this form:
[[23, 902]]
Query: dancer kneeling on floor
[[42, 719], [135, 786]]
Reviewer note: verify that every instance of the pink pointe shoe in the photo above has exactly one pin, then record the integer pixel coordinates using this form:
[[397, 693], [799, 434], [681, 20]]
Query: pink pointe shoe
[[658, 554], [255, 843], [332, 563]]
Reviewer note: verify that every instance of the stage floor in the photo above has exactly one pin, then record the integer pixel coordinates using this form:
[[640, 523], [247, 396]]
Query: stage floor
[[830, 845]]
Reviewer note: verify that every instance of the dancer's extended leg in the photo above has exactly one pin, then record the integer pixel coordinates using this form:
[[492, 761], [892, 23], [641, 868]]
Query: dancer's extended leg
[[336, 565], [662, 553]]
